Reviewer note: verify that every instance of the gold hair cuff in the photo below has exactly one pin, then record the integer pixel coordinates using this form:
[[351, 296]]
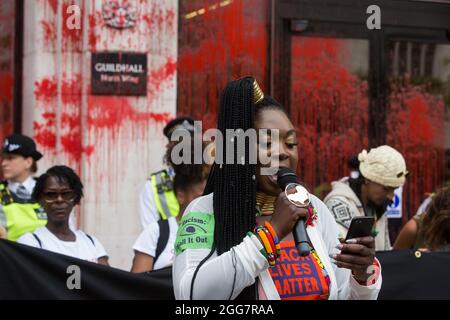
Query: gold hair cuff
[[258, 95]]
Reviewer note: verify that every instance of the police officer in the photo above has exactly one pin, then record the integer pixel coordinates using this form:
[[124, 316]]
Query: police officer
[[157, 199], [19, 213]]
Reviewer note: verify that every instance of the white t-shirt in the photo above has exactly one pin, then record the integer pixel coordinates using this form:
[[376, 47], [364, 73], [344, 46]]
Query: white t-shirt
[[148, 240], [82, 248], [147, 207]]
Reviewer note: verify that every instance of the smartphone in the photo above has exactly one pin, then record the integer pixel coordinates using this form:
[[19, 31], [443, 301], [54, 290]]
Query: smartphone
[[360, 227]]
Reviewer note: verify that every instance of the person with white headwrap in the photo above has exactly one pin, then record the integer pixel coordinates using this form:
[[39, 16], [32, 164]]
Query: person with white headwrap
[[383, 169]]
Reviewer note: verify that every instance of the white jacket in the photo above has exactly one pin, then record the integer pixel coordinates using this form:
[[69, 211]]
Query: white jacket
[[344, 205], [215, 278]]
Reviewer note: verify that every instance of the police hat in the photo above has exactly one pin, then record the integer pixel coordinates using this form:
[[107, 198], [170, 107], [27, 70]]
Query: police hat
[[21, 145], [184, 123]]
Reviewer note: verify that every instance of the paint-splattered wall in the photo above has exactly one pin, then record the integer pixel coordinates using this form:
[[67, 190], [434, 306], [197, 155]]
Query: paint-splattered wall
[[219, 41], [329, 106], [113, 142], [419, 79], [329, 93], [7, 21], [416, 129]]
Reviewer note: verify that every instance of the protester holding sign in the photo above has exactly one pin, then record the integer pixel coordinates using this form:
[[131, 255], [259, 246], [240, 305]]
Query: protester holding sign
[[382, 170], [236, 241]]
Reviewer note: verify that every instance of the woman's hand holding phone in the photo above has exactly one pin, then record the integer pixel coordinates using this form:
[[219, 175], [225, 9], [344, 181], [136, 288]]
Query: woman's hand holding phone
[[357, 253]]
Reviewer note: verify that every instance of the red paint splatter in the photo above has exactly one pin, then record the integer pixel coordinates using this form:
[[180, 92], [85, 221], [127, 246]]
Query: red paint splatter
[[416, 129], [53, 5], [7, 14], [158, 18], [45, 90], [70, 141], [71, 144], [154, 21], [113, 112], [6, 86], [329, 107], [104, 113], [49, 24], [71, 90], [71, 34], [45, 132], [94, 23], [60, 104], [211, 53], [420, 127], [157, 78], [44, 136], [50, 33]]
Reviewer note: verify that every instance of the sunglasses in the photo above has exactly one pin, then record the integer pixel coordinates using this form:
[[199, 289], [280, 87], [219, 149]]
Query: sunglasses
[[52, 196]]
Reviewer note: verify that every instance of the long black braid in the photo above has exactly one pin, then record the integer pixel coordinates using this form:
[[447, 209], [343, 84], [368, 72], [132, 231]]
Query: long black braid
[[234, 185]]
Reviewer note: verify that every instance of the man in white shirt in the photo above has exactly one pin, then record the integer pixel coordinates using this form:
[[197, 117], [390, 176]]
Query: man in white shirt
[[382, 170]]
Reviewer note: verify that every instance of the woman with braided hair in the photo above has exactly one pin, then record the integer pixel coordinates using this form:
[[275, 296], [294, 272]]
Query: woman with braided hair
[[236, 241]]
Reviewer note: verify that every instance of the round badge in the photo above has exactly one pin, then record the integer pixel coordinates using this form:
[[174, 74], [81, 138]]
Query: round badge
[[297, 195]]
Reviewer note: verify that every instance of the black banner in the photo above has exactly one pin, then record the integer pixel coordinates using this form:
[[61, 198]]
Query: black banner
[[119, 73], [407, 275], [30, 273]]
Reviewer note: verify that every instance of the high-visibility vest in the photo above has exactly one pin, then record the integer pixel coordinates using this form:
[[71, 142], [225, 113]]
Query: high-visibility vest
[[19, 216], [165, 200]]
